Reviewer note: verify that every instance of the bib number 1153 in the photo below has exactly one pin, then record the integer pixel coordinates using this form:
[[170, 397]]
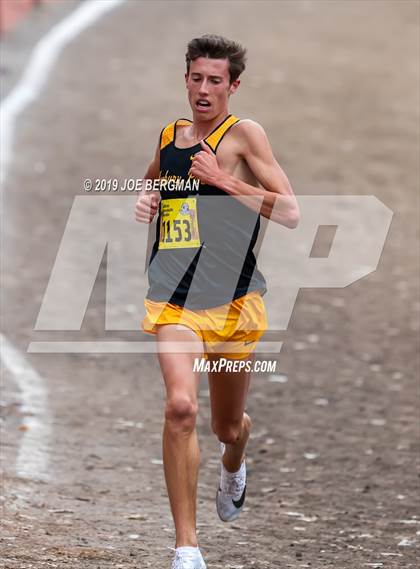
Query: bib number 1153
[[179, 224]]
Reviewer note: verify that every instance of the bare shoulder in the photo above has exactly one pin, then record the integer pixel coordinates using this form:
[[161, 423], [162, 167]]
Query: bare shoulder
[[249, 134], [249, 130], [249, 125]]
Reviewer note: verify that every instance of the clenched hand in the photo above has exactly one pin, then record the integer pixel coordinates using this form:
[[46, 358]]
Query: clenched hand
[[205, 166], [146, 207]]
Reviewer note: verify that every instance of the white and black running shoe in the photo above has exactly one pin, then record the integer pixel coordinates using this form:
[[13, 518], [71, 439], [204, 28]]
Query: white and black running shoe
[[230, 496], [188, 558]]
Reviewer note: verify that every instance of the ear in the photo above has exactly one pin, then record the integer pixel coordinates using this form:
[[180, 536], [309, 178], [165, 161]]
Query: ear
[[234, 86]]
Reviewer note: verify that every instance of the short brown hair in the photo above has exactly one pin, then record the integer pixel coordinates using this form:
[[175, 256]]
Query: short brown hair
[[218, 47]]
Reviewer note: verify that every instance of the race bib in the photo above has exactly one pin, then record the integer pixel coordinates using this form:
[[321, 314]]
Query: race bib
[[179, 224]]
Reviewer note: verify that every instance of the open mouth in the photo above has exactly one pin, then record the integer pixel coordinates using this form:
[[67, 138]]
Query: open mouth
[[202, 104]]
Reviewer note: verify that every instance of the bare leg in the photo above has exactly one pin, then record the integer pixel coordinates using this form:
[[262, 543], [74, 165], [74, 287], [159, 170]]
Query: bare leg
[[181, 455], [235, 452], [228, 393]]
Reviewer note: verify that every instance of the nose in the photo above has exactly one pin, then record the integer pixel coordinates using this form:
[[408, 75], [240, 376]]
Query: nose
[[203, 88]]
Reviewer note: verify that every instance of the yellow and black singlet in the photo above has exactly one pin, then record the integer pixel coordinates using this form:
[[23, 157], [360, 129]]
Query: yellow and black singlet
[[203, 251]]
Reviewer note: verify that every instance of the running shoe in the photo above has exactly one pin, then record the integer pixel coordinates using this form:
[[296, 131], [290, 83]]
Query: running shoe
[[188, 558], [230, 496]]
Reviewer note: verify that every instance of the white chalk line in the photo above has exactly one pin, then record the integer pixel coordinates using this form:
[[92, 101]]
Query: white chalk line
[[33, 456], [35, 76]]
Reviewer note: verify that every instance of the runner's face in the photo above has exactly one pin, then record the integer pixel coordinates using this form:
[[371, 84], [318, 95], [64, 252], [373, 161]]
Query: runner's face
[[208, 86]]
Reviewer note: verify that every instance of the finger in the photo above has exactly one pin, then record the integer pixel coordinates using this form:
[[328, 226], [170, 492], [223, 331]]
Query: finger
[[142, 207], [195, 172], [142, 219], [202, 159], [206, 147], [144, 214], [155, 200]]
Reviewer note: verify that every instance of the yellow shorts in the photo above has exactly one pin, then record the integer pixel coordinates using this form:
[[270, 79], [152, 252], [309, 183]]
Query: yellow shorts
[[231, 330]]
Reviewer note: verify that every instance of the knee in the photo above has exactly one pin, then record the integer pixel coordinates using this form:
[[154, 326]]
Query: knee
[[181, 414], [227, 433]]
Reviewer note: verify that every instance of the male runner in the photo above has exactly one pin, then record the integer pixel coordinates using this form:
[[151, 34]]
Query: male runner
[[205, 287]]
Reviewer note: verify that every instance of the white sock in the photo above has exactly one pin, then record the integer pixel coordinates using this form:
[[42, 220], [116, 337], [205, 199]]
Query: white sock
[[187, 549], [229, 475], [239, 476]]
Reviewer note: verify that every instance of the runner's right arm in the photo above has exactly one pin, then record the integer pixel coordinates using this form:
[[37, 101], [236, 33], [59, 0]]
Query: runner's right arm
[[148, 201]]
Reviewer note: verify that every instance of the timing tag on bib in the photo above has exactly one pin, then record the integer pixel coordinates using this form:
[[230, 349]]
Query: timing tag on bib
[[179, 224]]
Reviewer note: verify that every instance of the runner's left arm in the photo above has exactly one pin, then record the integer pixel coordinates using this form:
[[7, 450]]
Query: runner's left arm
[[278, 200]]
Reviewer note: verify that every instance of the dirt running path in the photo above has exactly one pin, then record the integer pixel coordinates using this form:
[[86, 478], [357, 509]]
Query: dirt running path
[[334, 452]]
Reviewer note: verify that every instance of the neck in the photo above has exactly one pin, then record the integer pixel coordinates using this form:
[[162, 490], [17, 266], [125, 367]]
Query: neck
[[201, 128]]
